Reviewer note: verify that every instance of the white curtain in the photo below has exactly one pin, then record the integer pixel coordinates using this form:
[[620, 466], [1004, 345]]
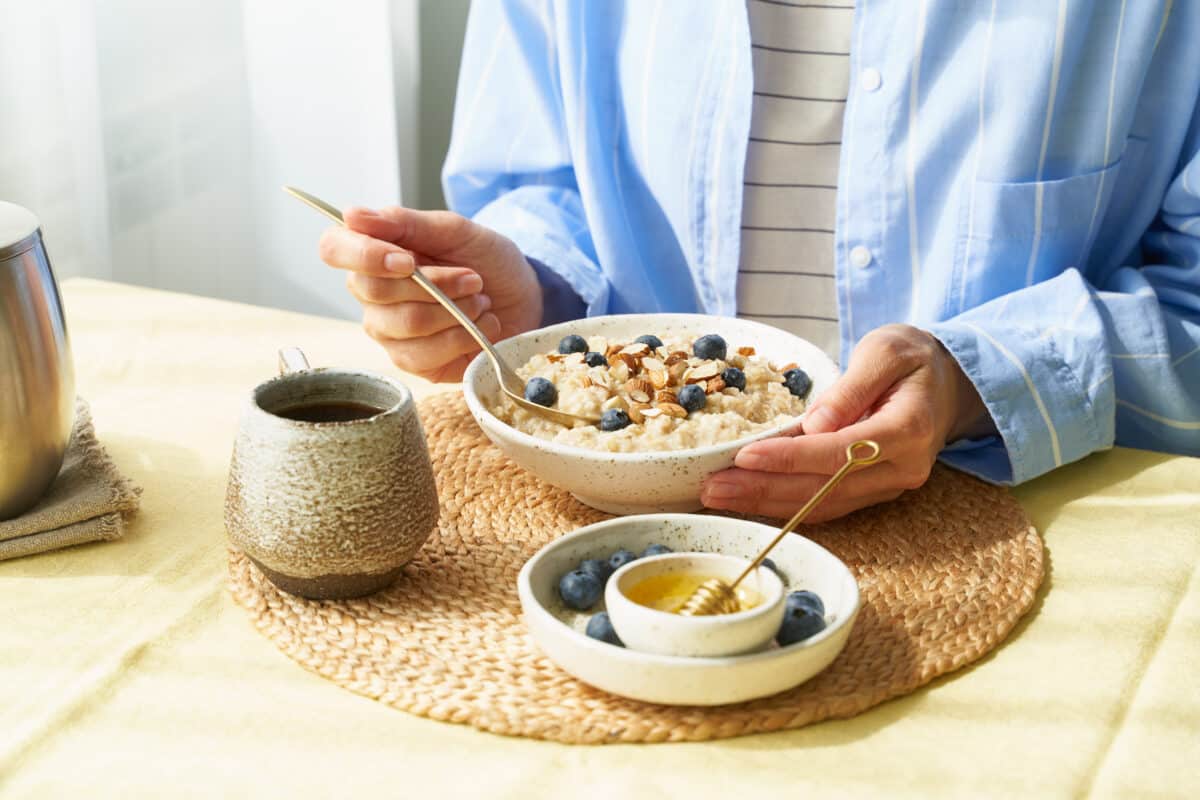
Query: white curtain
[[152, 136]]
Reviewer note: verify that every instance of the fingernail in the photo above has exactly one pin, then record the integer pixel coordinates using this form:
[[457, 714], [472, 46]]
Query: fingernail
[[750, 460], [397, 262], [469, 284], [485, 302], [367, 212], [721, 490], [820, 420]]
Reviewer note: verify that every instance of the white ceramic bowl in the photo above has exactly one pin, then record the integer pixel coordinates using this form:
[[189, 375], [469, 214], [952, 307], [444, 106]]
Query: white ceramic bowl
[[649, 630], [633, 483], [680, 680]]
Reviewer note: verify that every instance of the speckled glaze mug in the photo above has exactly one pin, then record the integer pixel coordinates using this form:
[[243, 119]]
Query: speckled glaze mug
[[330, 509]]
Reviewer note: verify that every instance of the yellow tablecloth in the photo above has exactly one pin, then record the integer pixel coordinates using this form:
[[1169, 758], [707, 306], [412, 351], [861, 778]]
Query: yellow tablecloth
[[126, 671]]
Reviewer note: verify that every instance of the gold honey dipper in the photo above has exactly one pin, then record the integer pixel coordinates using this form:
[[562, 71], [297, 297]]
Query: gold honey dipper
[[715, 596]]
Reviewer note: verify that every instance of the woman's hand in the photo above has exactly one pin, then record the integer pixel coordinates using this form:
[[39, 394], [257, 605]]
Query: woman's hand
[[483, 272], [915, 399]]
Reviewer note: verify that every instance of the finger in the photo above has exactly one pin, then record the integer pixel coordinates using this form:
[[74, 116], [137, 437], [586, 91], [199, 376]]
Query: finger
[[428, 355], [417, 320], [452, 372], [876, 364], [346, 249], [455, 283], [431, 232], [833, 509], [824, 453], [783, 495]]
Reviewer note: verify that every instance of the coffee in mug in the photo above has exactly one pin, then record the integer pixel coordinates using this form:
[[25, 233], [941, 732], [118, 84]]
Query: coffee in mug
[[331, 491]]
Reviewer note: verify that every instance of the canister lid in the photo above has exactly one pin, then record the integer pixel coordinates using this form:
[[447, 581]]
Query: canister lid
[[18, 229]]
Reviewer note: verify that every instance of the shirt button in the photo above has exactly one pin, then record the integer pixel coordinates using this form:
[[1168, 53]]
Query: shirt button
[[870, 79], [860, 256]]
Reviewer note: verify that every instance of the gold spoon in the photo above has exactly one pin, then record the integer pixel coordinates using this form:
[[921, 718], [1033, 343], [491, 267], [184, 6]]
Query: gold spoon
[[715, 596], [510, 383]]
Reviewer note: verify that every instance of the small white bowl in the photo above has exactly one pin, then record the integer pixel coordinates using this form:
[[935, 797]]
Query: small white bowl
[[634, 483], [649, 630], [681, 680]]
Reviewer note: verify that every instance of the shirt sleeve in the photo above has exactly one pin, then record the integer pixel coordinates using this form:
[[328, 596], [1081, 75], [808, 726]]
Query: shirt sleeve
[[509, 164], [1066, 367]]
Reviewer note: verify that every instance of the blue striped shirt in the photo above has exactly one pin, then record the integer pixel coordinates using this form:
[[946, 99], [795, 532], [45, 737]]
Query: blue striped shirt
[[1024, 174]]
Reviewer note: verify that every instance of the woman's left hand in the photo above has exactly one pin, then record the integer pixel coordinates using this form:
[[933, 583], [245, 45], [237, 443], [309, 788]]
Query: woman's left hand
[[903, 389]]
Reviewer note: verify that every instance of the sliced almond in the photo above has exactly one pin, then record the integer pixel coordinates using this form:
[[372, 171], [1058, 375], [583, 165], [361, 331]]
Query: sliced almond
[[630, 361], [611, 351], [636, 411], [714, 385], [574, 358], [677, 356], [746, 351], [676, 370], [636, 349], [659, 378], [588, 381], [650, 413], [619, 371], [598, 344], [673, 410], [786, 367], [554, 358], [665, 396], [701, 373], [639, 389], [616, 401], [651, 364]]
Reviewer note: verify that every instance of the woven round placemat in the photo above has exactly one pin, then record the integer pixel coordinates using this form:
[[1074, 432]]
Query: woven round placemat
[[945, 572]]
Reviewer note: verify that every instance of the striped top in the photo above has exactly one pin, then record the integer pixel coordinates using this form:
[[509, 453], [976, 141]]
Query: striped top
[[801, 58]]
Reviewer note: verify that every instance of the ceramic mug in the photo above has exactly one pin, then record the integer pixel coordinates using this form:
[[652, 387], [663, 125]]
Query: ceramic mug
[[331, 491]]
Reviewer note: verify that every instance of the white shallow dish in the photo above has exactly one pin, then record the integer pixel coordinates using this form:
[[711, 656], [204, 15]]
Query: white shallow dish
[[677, 680], [634, 483]]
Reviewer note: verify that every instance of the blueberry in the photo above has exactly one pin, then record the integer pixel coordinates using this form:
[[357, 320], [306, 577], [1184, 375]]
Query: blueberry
[[656, 550], [613, 420], [597, 568], [580, 590], [600, 627], [798, 624], [734, 377], [621, 558], [797, 382], [541, 391], [651, 340], [574, 343], [594, 359], [710, 346], [769, 564], [692, 397], [806, 599]]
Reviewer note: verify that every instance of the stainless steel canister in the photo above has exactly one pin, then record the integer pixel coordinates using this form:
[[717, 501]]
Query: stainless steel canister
[[37, 379]]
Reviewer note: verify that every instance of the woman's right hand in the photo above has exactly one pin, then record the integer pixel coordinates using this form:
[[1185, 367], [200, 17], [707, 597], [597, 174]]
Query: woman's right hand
[[485, 274]]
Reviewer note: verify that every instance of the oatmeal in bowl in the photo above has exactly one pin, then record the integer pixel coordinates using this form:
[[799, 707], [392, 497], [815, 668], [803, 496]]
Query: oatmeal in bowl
[[663, 434], [653, 394]]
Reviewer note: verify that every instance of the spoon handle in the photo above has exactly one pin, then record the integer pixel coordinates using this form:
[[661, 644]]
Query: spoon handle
[[336, 215], [852, 461]]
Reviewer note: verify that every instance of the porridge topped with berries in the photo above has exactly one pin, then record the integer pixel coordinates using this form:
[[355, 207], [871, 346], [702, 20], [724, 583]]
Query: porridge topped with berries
[[652, 394]]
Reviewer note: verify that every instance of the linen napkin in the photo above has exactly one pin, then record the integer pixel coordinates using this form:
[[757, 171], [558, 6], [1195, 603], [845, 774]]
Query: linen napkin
[[87, 502]]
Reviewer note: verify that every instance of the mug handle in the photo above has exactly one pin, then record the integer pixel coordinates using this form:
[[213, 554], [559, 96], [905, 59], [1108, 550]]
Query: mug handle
[[292, 359]]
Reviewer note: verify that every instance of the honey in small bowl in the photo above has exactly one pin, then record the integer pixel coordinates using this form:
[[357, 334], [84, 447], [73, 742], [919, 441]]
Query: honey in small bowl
[[668, 591]]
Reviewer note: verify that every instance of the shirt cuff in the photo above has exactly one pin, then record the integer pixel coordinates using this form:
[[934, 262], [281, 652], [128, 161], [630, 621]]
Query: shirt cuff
[[560, 302], [1039, 408]]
